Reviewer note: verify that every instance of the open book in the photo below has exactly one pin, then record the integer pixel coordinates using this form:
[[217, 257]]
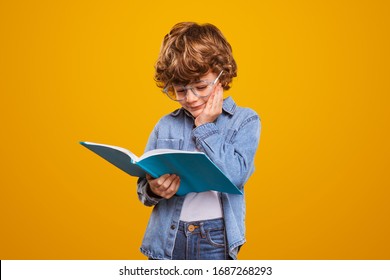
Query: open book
[[196, 171]]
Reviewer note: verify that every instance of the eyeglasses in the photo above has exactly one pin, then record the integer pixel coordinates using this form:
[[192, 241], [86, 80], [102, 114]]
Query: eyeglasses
[[201, 89]]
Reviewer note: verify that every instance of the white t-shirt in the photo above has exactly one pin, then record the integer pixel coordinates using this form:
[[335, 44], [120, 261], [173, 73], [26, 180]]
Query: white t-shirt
[[201, 206]]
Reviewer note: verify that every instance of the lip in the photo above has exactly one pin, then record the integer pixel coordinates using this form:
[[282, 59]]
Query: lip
[[194, 108]]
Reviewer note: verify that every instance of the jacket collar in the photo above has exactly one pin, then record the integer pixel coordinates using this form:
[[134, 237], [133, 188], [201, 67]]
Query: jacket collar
[[228, 106]]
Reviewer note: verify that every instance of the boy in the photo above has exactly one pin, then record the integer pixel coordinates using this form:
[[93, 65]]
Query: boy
[[194, 67]]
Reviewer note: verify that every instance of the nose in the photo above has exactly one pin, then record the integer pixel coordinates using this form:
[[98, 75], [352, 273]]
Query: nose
[[190, 96]]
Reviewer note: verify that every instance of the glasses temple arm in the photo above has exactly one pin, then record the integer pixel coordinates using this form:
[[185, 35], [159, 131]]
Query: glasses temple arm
[[216, 79]]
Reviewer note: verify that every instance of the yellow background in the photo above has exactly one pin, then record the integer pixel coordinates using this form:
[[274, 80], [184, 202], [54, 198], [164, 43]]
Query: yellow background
[[317, 72]]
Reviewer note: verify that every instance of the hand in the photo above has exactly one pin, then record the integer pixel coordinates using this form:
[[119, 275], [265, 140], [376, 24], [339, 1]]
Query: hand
[[213, 108], [165, 186]]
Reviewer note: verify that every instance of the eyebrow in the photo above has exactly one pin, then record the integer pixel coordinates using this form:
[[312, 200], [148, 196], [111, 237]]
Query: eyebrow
[[203, 80]]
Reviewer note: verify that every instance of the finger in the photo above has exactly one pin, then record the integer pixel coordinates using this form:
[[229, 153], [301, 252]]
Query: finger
[[171, 191], [220, 93], [156, 183], [214, 103], [220, 96], [217, 93], [177, 183], [168, 182], [211, 104], [215, 90], [217, 101], [211, 100], [160, 181]]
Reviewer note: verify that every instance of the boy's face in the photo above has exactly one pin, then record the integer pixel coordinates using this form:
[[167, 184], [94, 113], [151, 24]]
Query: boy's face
[[195, 104]]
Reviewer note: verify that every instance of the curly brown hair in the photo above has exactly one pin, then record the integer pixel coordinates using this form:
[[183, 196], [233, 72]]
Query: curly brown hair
[[191, 50]]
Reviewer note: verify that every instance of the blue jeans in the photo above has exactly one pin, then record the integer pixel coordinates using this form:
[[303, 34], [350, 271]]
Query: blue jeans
[[201, 240]]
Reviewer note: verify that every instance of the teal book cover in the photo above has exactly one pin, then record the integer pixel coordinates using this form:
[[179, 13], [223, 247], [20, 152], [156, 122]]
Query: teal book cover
[[196, 171]]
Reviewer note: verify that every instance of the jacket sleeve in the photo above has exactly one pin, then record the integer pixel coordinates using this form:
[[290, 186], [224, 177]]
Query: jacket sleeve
[[234, 156], [145, 195]]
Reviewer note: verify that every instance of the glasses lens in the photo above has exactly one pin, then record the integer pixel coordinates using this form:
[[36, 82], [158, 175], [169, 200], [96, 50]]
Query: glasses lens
[[170, 92], [202, 88], [180, 92]]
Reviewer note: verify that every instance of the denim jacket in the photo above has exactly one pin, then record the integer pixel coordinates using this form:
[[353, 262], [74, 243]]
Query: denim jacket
[[230, 142]]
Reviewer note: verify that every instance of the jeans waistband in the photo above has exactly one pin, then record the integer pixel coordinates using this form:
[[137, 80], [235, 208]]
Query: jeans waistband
[[201, 226]]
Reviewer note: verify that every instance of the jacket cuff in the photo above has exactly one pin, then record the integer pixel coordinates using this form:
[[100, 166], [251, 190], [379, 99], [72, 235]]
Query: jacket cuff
[[147, 197], [204, 131]]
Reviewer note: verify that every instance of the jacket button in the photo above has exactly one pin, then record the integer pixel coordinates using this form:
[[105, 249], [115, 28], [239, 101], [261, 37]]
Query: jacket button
[[173, 227]]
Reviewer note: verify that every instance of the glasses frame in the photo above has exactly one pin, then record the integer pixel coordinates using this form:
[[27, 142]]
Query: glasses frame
[[193, 90]]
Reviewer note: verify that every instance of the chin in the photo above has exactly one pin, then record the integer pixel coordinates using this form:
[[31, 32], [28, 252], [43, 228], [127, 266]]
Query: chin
[[196, 113]]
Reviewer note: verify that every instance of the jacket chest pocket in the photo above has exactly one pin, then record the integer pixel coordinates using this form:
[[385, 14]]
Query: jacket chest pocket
[[169, 144]]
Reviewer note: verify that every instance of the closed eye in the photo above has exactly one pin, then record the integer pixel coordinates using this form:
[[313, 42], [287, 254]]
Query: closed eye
[[202, 87]]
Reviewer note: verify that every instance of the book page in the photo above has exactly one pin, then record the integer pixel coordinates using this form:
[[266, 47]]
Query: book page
[[165, 151], [123, 150]]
